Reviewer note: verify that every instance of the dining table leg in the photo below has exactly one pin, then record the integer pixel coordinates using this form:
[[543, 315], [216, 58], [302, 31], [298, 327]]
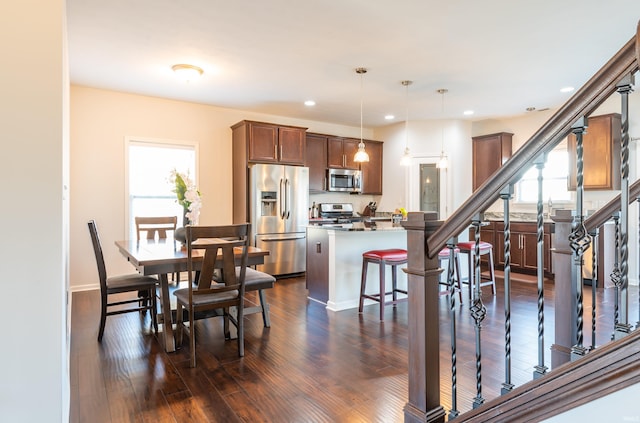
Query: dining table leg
[[165, 310]]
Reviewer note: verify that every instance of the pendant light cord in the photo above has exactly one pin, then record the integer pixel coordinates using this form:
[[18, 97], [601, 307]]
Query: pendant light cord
[[361, 102]]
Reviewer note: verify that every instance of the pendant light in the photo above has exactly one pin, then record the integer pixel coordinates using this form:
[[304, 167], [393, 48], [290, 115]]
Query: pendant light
[[443, 163], [361, 155], [406, 157]]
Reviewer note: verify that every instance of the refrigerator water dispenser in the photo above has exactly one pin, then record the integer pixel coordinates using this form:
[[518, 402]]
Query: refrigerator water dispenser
[[268, 203]]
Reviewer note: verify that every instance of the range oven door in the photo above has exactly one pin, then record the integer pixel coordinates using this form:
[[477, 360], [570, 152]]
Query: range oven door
[[287, 253]]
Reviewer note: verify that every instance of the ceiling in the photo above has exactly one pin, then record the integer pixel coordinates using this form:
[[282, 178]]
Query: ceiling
[[496, 57]]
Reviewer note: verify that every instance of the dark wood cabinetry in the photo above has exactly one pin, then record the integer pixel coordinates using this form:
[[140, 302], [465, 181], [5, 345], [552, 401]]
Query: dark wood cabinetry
[[601, 154], [270, 143], [317, 161], [524, 245], [490, 152], [340, 153], [328, 151], [372, 170]]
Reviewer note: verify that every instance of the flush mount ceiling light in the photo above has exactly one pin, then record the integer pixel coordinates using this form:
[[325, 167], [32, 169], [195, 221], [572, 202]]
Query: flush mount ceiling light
[[443, 163], [406, 157], [187, 72], [361, 155]]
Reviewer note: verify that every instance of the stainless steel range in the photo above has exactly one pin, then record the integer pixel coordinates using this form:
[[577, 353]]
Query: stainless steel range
[[337, 213]]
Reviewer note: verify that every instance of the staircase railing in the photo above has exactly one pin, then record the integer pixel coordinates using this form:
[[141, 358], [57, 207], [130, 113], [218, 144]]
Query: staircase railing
[[426, 237]]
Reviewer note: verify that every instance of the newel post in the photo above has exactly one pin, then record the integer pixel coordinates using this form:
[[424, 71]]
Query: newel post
[[423, 324], [565, 290]]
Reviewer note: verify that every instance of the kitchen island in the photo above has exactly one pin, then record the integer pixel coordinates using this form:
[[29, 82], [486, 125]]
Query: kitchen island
[[334, 260]]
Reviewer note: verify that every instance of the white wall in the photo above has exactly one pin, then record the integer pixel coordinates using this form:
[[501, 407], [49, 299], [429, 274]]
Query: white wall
[[34, 386], [100, 121], [425, 141]]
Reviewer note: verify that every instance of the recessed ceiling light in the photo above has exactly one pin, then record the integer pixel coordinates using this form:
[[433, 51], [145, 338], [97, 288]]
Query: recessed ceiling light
[[389, 117], [468, 112], [566, 89], [309, 103], [187, 72]]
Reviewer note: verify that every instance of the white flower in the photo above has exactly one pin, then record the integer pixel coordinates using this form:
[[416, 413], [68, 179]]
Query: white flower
[[187, 195]]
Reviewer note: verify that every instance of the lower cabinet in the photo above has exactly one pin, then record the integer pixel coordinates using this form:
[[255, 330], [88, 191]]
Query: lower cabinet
[[317, 275], [524, 245]]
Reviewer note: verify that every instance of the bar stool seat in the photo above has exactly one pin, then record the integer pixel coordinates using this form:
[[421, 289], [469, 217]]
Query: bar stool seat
[[444, 255], [469, 248], [393, 257]]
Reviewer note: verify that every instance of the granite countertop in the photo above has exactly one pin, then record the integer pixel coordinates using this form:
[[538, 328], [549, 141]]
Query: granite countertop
[[516, 217], [362, 226]]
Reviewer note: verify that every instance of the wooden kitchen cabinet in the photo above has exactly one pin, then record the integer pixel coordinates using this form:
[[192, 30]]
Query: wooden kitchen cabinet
[[489, 153], [524, 247], [372, 170], [271, 143], [340, 153], [601, 154], [316, 161]]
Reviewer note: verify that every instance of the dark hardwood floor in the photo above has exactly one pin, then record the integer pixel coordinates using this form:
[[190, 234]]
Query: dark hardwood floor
[[312, 365]]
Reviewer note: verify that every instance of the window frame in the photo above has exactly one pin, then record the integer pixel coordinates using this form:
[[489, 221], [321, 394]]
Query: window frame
[[517, 187], [151, 142]]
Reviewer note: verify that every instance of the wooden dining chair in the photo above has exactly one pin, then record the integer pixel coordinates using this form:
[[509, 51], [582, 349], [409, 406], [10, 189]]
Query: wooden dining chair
[[157, 226], [214, 245], [120, 284]]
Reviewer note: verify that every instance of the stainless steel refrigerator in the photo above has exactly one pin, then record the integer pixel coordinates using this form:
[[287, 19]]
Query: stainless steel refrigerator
[[278, 209]]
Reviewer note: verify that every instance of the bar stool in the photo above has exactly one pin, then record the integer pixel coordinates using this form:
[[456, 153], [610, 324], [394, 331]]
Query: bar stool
[[444, 255], [392, 257], [469, 248]]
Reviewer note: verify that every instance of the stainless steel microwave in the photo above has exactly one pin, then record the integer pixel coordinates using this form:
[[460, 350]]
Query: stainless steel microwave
[[344, 180]]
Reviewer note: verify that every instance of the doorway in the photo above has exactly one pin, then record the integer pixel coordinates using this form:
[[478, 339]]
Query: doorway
[[427, 188]]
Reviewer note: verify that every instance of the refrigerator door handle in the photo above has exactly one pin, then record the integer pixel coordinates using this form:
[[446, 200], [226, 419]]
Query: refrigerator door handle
[[282, 239], [282, 200], [287, 198]]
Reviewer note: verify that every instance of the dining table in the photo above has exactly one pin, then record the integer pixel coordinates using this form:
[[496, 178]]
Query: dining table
[[163, 256]]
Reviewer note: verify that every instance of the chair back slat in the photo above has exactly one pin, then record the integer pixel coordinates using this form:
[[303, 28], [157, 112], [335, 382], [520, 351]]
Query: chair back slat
[[97, 249], [219, 246], [155, 225]]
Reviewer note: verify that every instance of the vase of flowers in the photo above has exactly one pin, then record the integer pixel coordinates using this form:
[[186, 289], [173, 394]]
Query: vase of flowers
[[188, 196]]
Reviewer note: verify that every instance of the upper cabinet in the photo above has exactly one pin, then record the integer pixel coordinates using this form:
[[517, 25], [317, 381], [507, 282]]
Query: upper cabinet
[[340, 152], [372, 170], [317, 161], [270, 143], [490, 152], [601, 154]]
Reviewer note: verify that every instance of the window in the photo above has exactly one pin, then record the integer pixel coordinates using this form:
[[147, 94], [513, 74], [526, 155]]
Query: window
[[149, 190], [554, 183]]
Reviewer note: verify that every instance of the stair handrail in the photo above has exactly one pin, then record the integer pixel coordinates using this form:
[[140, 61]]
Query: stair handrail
[[582, 103], [604, 213]]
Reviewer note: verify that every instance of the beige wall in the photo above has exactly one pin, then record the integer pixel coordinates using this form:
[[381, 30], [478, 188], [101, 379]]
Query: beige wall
[[100, 121]]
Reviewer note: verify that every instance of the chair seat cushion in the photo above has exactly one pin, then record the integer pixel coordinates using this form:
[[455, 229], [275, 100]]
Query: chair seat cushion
[[130, 282], [394, 254], [182, 295], [471, 245], [444, 253], [255, 280]]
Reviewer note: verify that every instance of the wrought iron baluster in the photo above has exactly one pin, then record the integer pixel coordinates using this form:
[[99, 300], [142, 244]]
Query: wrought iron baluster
[[451, 245], [615, 273], [623, 328], [478, 311], [506, 194], [540, 369], [594, 283], [579, 238]]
